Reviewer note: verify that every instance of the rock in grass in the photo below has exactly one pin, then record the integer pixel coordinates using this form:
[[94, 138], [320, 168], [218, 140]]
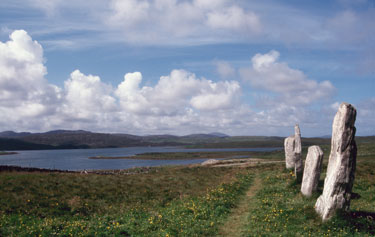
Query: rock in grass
[[210, 162], [341, 164], [313, 167]]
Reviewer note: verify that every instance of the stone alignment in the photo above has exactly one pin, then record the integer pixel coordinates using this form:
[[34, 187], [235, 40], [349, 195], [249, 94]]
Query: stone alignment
[[341, 164]]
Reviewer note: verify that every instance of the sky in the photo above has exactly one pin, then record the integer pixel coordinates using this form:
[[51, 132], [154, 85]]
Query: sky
[[179, 67]]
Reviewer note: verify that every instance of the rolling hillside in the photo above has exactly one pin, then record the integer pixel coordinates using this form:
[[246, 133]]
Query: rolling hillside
[[68, 139]]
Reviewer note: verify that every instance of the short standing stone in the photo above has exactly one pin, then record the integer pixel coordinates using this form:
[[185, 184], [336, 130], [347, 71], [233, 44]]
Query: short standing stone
[[293, 148], [341, 164], [313, 167], [289, 152]]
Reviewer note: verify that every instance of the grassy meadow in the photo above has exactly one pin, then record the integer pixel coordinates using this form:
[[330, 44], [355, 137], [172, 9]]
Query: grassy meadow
[[163, 202], [181, 201]]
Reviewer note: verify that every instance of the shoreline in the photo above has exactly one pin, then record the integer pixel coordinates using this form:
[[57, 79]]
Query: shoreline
[[4, 153], [180, 156]]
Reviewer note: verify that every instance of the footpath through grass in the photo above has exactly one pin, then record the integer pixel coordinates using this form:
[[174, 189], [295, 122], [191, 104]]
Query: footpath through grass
[[165, 202], [236, 221]]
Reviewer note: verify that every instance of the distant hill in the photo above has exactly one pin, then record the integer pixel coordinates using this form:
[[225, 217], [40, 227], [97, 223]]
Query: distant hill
[[9, 144], [73, 139], [218, 134], [326, 136], [11, 134]]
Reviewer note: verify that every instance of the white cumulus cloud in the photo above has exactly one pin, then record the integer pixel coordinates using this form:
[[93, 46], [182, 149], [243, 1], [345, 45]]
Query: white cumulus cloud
[[86, 95], [291, 85], [175, 94], [23, 87]]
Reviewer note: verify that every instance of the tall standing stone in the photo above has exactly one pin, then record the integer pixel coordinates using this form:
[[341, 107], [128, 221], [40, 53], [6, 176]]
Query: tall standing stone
[[297, 142], [313, 167], [341, 164], [293, 148], [298, 167]]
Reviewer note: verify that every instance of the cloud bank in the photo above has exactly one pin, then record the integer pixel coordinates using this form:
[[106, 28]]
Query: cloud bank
[[178, 103], [27, 99]]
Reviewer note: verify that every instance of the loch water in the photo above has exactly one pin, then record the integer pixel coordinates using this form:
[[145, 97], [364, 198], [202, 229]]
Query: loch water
[[78, 159]]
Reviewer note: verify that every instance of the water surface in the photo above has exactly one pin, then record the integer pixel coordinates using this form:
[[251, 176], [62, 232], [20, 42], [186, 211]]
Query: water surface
[[78, 159]]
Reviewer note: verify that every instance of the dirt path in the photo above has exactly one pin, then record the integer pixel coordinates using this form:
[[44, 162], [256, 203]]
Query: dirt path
[[249, 163], [238, 217]]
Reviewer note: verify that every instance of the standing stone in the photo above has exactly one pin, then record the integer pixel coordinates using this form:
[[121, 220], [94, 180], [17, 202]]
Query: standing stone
[[293, 148], [297, 142], [298, 168], [289, 152], [341, 164], [313, 167]]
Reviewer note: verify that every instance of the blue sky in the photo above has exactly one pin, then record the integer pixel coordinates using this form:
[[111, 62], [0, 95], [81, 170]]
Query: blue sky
[[180, 67]]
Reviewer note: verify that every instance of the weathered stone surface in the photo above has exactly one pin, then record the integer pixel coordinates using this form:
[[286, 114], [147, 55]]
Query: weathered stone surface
[[298, 170], [313, 167], [297, 140], [341, 164], [293, 148], [289, 152]]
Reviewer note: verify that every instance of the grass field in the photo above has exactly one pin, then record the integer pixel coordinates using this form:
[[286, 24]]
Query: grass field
[[164, 201], [180, 201]]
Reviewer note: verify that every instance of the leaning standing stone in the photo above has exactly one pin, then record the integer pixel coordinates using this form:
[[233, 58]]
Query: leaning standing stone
[[341, 164], [313, 167]]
